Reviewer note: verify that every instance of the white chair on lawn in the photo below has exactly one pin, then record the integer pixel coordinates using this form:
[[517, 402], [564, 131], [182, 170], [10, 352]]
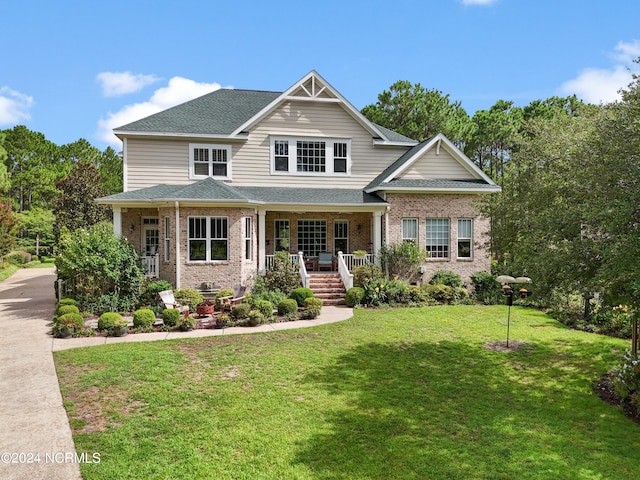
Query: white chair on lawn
[[170, 301]]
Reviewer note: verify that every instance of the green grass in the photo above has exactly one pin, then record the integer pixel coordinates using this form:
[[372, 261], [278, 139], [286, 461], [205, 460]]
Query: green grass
[[390, 394]]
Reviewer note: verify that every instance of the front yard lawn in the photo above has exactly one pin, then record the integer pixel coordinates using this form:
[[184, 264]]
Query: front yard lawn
[[389, 394]]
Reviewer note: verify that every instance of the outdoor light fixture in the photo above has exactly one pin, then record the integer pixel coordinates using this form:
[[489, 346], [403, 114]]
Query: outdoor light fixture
[[507, 291]]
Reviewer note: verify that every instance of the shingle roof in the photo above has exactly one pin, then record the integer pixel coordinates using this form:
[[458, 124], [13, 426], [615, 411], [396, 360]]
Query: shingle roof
[[438, 184], [395, 165], [216, 113], [210, 190], [393, 136]]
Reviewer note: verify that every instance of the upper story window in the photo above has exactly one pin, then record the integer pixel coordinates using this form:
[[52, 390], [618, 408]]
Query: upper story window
[[207, 160], [310, 156]]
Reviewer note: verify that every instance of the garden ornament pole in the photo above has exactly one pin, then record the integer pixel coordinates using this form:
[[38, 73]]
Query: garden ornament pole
[[507, 291]]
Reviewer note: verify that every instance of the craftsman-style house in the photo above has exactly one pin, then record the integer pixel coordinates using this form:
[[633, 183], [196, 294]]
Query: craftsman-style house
[[213, 187]]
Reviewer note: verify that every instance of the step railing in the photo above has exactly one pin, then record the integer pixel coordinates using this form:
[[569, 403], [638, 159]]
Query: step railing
[[344, 271]]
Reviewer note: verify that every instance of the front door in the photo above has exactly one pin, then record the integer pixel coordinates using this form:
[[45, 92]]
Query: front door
[[150, 246]]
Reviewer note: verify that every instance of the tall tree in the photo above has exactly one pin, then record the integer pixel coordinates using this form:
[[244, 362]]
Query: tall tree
[[419, 113], [4, 175], [75, 208], [108, 163], [34, 167]]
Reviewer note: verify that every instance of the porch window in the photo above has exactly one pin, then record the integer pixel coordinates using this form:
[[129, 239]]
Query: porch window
[[208, 238], [281, 238], [410, 230], [310, 156], [209, 161], [465, 234], [312, 237], [340, 236], [438, 237], [248, 242]]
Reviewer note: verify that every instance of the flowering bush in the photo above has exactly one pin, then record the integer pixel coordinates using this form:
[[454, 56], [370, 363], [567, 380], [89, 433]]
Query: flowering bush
[[375, 293], [626, 378]]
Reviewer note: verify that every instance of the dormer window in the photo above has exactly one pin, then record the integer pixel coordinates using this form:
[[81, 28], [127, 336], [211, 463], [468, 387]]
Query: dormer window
[[310, 156], [207, 160]]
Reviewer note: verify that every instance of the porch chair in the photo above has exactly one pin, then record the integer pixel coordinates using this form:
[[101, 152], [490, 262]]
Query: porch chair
[[170, 302], [326, 261], [227, 303]]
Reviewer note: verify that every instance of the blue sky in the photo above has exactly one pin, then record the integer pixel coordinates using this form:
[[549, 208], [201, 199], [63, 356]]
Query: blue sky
[[76, 69]]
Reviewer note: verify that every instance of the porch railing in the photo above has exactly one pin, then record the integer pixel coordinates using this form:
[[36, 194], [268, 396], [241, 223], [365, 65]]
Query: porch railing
[[268, 261], [150, 264], [352, 261]]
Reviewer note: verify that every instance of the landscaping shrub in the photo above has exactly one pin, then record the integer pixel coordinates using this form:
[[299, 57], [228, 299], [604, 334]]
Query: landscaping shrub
[[300, 294], [94, 262], [312, 307], [626, 379], [445, 294], [265, 307], [241, 311], [149, 295], [255, 318], [73, 321], [143, 318], [283, 275], [64, 309], [375, 293], [188, 296], [402, 260], [365, 273], [113, 302], [261, 292], [397, 292], [108, 320], [170, 316], [485, 288], [18, 258], [354, 296], [67, 301], [446, 277], [288, 306], [613, 321], [225, 292]]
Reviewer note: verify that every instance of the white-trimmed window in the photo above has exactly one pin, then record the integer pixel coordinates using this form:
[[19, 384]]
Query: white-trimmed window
[[282, 235], [437, 242], [465, 238], [248, 238], [208, 238], [310, 156], [312, 237], [340, 236], [167, 239], [206, 160], [410, 230]]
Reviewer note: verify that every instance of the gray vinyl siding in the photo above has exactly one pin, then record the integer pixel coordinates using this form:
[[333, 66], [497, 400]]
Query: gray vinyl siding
[[434, 166]]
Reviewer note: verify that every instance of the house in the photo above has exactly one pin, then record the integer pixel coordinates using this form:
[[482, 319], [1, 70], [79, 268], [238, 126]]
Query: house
[[213, 187]]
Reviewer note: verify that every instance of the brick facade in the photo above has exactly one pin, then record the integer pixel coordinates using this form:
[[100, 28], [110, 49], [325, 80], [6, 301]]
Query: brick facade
[[452, 207]]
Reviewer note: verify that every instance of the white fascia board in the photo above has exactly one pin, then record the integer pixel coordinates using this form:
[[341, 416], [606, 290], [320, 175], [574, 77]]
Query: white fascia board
[[382, 188], [121, 134], [390, 143]]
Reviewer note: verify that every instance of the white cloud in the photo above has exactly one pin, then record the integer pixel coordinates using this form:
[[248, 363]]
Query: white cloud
[[14, 106], [121, 83], [478, 2], [595, 85], [178, 90]]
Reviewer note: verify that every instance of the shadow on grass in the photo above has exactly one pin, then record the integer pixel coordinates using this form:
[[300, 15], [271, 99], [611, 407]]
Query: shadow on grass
[[450, 410]]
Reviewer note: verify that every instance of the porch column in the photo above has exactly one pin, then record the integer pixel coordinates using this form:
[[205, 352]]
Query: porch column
[[377, 232], [262, 251], [117, 221], [178, 259]]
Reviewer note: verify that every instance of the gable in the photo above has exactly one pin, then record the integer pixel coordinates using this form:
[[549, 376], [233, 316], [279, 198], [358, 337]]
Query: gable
[[436, 164]]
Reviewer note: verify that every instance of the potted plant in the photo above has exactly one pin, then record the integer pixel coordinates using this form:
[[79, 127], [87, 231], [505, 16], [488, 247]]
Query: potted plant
[[64, 326], [186, 323], [360, 254], [120, 327]]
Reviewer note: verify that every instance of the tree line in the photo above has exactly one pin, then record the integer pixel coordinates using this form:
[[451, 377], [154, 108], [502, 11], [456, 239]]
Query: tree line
[[45, 186]]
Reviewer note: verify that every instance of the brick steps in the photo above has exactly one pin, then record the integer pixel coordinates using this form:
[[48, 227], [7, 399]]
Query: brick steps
[[328, 287]]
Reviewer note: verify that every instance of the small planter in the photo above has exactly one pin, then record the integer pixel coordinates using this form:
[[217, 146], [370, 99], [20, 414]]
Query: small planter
[[65, 332], [120, 331], [205, 308], [184, 327]]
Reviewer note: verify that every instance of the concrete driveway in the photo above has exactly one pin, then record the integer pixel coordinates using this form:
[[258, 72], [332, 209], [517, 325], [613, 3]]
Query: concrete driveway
[[35, 437]]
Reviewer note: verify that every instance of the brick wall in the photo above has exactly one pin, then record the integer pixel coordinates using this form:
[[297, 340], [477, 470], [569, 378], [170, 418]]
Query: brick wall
[[452, 207]]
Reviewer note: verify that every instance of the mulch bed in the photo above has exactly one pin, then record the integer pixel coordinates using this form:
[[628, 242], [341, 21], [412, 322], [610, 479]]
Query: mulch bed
[[604, 389]]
